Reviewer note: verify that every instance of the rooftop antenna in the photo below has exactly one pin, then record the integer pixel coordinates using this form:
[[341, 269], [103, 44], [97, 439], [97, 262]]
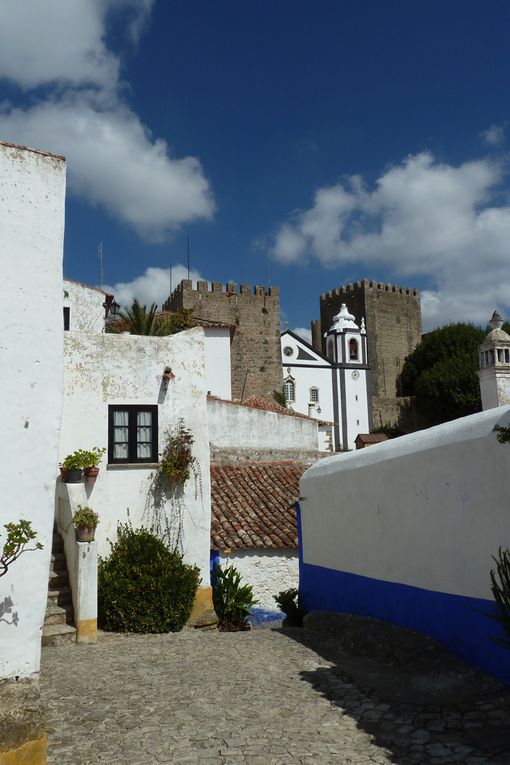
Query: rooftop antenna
[[188, 257], [101, 273]]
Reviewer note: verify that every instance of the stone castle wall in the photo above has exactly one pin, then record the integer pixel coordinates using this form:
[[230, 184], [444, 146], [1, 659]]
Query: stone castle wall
[[255, 314], [393, 321]]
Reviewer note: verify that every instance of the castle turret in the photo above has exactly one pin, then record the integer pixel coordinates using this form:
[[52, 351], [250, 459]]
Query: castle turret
[[494, 371]]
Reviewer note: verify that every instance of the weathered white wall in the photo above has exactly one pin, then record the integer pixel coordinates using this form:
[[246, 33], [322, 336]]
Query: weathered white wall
[[425, 511], [268, 571], [218, 378], [86, 307], [32, 191], [127, 369], [246, 427]]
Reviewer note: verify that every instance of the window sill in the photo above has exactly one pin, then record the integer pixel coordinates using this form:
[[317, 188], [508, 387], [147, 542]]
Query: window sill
[[132, 465]]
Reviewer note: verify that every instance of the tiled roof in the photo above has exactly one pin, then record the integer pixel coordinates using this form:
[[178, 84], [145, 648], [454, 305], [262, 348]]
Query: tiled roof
[[252, 504], [371, 438], [198, 322]]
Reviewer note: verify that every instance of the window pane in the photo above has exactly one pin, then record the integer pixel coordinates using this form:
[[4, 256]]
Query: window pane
[[314, 394], [143, 435], [120, 435]]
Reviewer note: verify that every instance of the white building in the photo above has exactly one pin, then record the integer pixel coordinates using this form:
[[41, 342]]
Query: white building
[[494, 372], [32, 194], [334, 387]]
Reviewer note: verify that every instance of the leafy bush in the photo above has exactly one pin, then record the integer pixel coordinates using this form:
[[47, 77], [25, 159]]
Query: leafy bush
[[142, 586], [18, 536], [500, 586], [232, 600], [288, 602]]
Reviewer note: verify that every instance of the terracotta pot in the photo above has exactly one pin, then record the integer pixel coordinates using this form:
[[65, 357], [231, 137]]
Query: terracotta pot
[[90, 474], [63, 474], [85, 533]]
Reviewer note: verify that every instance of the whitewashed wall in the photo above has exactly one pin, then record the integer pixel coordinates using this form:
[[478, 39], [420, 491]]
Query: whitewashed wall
[[268, 571], [32, 191], [246, 427], [406, 530], [127, 369], [218, 378], [86, 307]]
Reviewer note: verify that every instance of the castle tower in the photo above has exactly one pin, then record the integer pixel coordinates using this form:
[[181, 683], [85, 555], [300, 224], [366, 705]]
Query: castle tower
[[494, 371], [393, 324], [346, 347], [255, 315]]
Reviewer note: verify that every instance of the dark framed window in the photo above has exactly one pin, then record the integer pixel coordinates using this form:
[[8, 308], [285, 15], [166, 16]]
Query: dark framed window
[[132, 433]]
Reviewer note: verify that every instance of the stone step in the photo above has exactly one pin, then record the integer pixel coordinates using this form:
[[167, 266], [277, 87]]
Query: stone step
[[56, 634], [58, 614], [58, 562], [59, 597], [58, 579]]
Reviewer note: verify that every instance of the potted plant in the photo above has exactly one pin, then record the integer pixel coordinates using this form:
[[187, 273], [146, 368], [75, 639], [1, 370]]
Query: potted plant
[[85, 521], [91, 462], [71, 469]]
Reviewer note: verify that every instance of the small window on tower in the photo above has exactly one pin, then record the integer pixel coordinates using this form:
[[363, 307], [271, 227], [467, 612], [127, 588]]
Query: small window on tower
[[353, 349], [314, 395]]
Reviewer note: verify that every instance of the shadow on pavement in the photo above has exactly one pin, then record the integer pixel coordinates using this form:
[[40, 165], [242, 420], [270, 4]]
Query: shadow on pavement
[[418, 701]]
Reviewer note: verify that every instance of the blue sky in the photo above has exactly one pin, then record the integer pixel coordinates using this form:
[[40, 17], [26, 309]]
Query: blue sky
[[332, 140]]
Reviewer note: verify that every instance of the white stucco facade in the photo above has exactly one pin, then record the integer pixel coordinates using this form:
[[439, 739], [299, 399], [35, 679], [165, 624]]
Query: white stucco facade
[[85, 304], [218, 379], [234, 425], [418, 507], [32, 192], [267, 571], [109, 369]]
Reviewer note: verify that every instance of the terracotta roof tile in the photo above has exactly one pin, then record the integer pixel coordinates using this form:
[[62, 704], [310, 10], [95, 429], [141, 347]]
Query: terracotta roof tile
[[253, 504]]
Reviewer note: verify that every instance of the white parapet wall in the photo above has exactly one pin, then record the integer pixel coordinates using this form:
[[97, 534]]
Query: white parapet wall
[[234, 425], [405, 531], [85, 306], [32, 193], [108, 369]]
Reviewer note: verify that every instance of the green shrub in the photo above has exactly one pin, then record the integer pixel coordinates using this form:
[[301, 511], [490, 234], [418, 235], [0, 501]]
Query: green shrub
[[232, 600], [288, 602], [500, 586], [142, 586]]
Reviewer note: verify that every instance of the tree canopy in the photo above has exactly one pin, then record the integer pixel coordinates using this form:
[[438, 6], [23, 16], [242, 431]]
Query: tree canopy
[[441, 373]]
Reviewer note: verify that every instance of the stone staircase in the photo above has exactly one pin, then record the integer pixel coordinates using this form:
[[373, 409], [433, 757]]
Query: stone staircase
[[58, 622]]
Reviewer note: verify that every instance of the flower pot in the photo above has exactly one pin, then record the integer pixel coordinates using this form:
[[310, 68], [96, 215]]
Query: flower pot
[[74, 475], [85, 533], [63, 474], [90, 474]]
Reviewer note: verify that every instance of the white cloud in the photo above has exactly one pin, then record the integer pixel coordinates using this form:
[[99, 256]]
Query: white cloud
[[494, 136], [306, 334], [113, 160], [151, 287], [422, 218]]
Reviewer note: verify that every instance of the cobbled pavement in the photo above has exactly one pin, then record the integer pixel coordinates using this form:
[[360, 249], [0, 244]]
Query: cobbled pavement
[[212, 697]]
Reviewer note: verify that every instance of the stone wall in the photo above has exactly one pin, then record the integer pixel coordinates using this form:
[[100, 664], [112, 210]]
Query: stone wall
[[393, 322], [255, 314]]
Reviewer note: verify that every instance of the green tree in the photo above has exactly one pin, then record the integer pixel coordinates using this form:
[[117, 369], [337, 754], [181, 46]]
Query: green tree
[[441, 373], [142, 321]]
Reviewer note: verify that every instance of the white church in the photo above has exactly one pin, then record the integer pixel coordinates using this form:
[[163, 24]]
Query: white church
[[333, 388]]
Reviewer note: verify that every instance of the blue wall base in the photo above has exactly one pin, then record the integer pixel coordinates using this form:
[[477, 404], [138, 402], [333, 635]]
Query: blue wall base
[[461, 623]]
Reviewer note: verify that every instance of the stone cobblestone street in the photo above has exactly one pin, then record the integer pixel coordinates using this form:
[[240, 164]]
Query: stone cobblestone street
[[254, 697]]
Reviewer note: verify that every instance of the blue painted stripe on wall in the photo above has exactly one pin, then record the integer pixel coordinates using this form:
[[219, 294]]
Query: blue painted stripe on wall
[[452, 619]]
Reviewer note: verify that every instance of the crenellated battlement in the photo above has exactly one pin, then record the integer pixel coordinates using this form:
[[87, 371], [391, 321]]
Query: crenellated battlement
[[370, 283], [229, 290]]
